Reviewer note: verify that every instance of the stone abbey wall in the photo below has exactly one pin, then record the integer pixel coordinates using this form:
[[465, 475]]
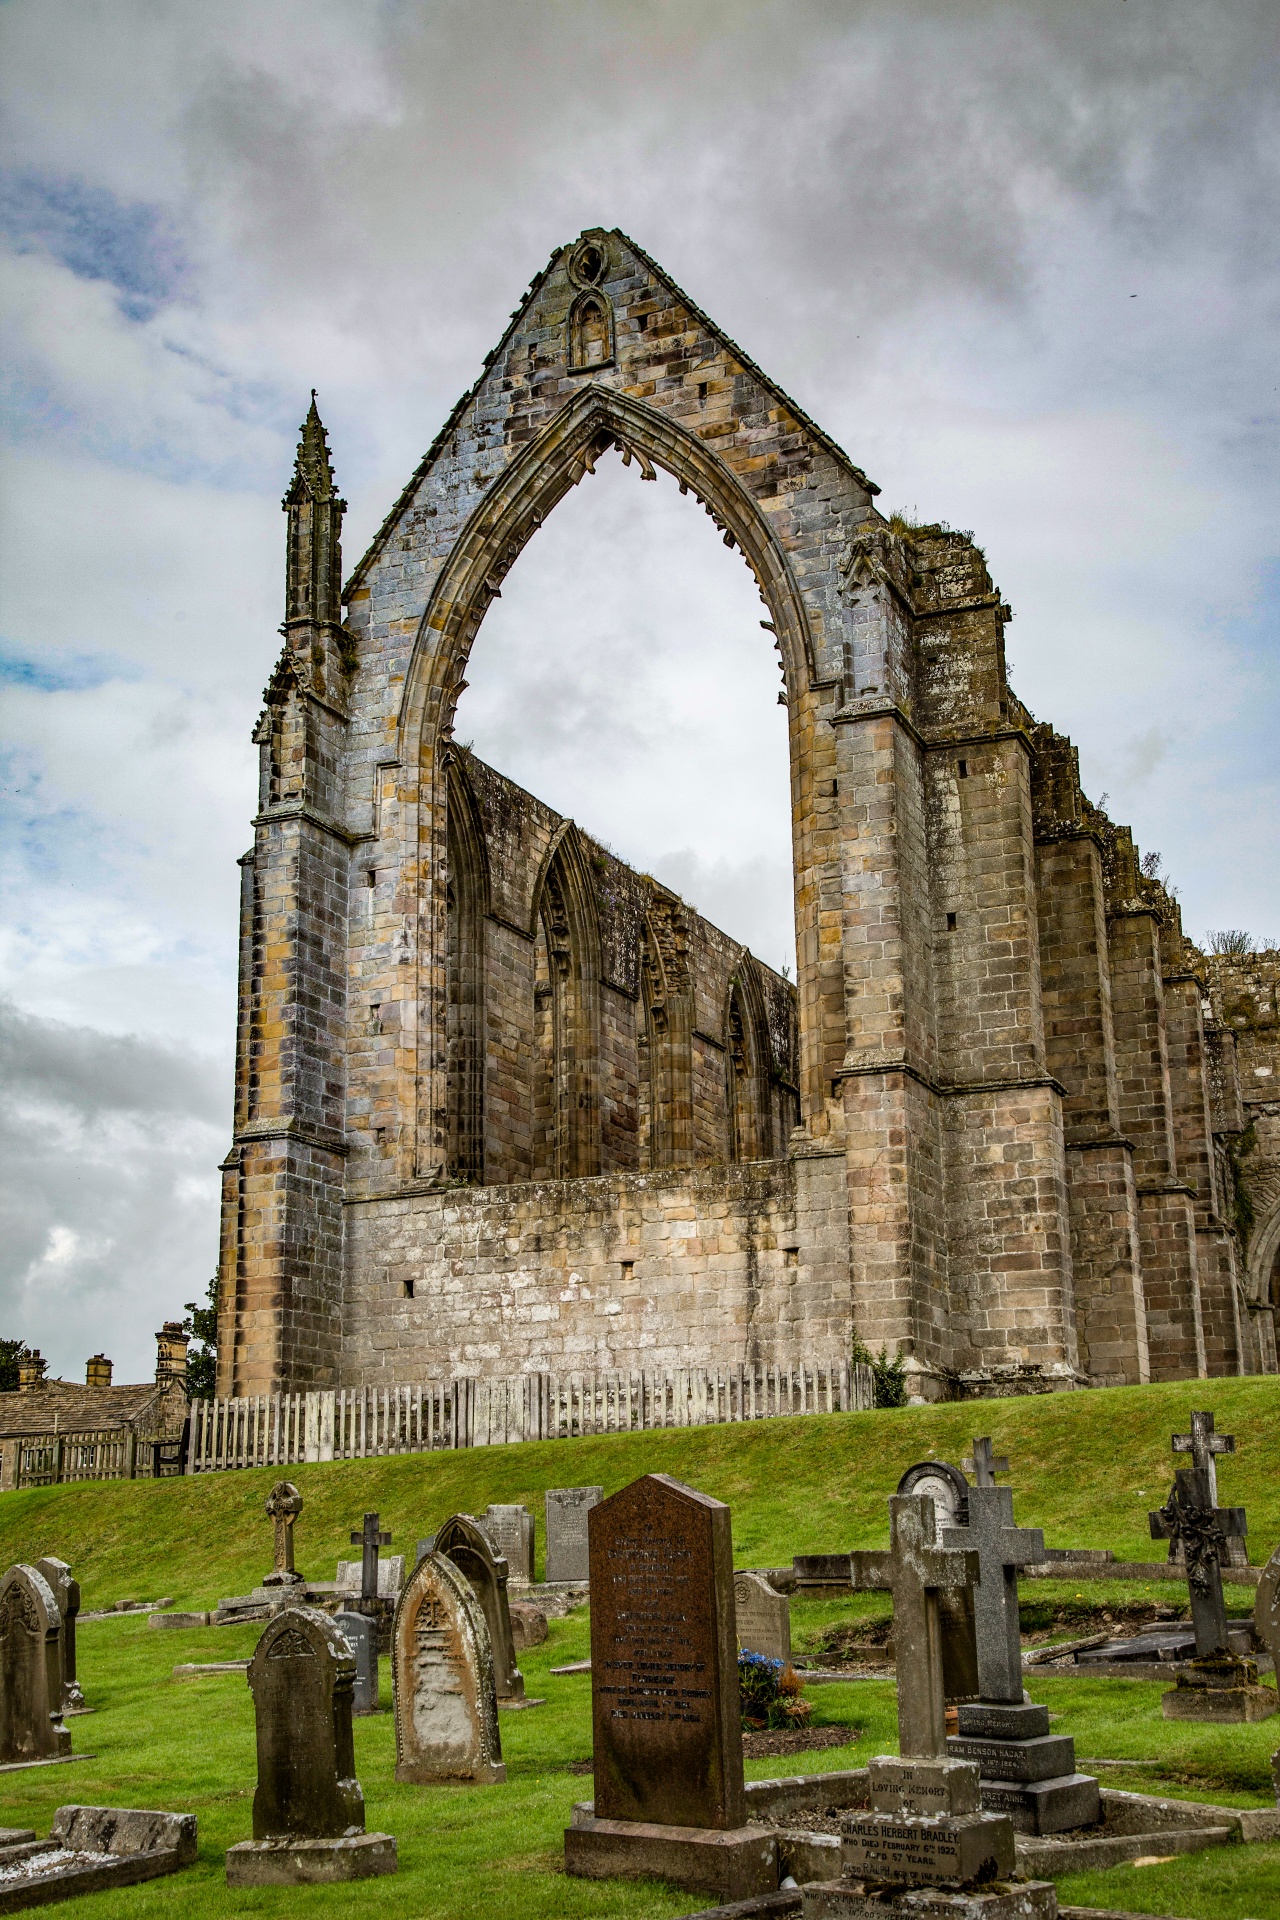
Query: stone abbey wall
[[502, 1102]]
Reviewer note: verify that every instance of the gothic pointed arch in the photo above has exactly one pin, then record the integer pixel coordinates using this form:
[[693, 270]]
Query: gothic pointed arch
[[466, 911], [748, 1106], [565, 1117]]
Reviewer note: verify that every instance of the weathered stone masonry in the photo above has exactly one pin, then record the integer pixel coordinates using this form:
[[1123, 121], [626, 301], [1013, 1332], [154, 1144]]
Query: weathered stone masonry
[[503, 1104]]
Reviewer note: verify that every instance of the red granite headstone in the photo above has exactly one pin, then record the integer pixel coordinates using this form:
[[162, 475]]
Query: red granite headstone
[[664, 1658]]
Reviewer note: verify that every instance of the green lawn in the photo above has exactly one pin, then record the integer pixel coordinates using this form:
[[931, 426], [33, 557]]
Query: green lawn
[[1086, 1467]]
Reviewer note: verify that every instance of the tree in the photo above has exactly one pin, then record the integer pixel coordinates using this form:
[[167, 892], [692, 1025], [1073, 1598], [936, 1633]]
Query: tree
[[11, 1352], [202, 1362]]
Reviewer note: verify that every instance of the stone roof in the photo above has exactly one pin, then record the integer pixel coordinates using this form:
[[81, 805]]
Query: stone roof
[[69, 1408]]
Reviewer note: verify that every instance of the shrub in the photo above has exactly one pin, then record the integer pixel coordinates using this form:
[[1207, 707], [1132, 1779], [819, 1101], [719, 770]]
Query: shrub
[[890, 1376]]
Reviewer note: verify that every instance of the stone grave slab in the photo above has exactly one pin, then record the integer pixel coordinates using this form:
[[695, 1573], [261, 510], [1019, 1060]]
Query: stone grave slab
[[308, 1810], [90, 1849], [763, 1617], [565, 1510], [463, 1540], [443, 1688], [31, 1685], [666, 1715], [362, 1634], [511, 1534]]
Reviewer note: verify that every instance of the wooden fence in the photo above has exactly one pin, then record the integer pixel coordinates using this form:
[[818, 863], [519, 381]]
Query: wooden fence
[[108, 1453], [280, 1429]]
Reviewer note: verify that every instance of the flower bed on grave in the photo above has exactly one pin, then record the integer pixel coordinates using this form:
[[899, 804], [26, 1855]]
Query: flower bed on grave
[[771, 1693]]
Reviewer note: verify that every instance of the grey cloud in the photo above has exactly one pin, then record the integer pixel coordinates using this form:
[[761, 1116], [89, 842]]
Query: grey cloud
[[91, 1074]]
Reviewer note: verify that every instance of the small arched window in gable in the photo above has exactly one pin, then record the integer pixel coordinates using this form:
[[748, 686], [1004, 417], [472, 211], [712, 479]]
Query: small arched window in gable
[[590, 331]]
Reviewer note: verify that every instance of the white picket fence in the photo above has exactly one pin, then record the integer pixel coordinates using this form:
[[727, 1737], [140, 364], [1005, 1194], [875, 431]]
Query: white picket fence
[[278, 1429]]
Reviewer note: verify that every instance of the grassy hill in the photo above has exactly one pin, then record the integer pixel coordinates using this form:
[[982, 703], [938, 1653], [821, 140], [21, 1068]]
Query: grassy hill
[[1086, 1467]]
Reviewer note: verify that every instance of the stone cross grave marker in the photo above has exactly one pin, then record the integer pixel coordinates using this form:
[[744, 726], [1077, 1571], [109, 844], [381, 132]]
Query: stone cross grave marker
[[916, 1570], [566, 1511], [284, 1504], [463, 1540], [369, 1539], [1204, 1446], [1001, 1548], [1266, 1611], [510, 1529], [30, 1670], [666, 1715], [763, 1617], [66, 1592], [446, 1706], [362, 1634], [984, 1465], [1191, 1517], [308, 1807]]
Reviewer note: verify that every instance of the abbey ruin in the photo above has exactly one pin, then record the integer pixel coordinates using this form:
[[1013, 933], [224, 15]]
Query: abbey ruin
[[504, 1104]]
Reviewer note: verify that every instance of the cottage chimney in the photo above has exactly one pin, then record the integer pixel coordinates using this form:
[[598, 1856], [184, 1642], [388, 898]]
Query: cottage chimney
[[31, 1371], [171, 1354], [97, 1371]]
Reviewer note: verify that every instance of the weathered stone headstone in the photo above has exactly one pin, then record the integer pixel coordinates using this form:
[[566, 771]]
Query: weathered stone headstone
[[442, 1680], [1027, 1772], [666, 1713], [984, 1465], [308, 1810], [362, 1634], [924, 1827], [510, 1531], [947, 1487], [1218, 1685], [66, 1592], [30, 1670], [566, 1509], [464, 1541], [349, 1577], [763, 1617], [284, 1504], [1266, 1609], [917, 1571], [1204, 1446]]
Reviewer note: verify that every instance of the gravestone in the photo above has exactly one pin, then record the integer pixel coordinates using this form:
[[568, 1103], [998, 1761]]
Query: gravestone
[[984, 1465], [1218, 1684], [947, 1487], [308, 1810], [446, 1707], [362, 1635], [1266, 1609], [510, 1532], [763, 1617], [464, 1541], [284, 1504], [31, 1726], [349, 1577], [66, 1592], [1204, 1446], [917, 1571], [925, 1828], [666, 1716], [1027, 1772], [369, 1539], [566, 1509]]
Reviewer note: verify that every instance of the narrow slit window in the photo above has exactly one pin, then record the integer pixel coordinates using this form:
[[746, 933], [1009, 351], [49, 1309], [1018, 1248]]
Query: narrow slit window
[[964, 769], [951, 923]]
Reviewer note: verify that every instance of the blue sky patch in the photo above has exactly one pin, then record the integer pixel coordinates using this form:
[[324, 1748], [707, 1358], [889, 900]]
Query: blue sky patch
[[61, 672], [132, 246]]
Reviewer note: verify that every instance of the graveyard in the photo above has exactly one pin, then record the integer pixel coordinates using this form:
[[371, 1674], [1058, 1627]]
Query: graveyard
[[1086, 1471]]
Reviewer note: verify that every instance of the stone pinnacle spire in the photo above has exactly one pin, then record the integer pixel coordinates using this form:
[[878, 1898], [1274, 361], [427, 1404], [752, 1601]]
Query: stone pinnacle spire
[[313, 468]]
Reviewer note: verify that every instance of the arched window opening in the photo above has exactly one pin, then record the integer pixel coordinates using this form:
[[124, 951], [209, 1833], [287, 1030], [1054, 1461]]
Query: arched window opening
[[464, 986], [564, 1119]]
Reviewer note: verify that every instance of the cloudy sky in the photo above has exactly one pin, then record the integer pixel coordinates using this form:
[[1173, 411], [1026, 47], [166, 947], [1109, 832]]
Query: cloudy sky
[[1019, 259]]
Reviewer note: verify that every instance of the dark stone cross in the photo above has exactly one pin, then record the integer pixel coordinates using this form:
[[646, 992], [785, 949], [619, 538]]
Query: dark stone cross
[[916, 1571], [1191, 1517], [1202, 1443], [1001, 1548], [284, 1504], [984, 1465], [369, 1540]]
